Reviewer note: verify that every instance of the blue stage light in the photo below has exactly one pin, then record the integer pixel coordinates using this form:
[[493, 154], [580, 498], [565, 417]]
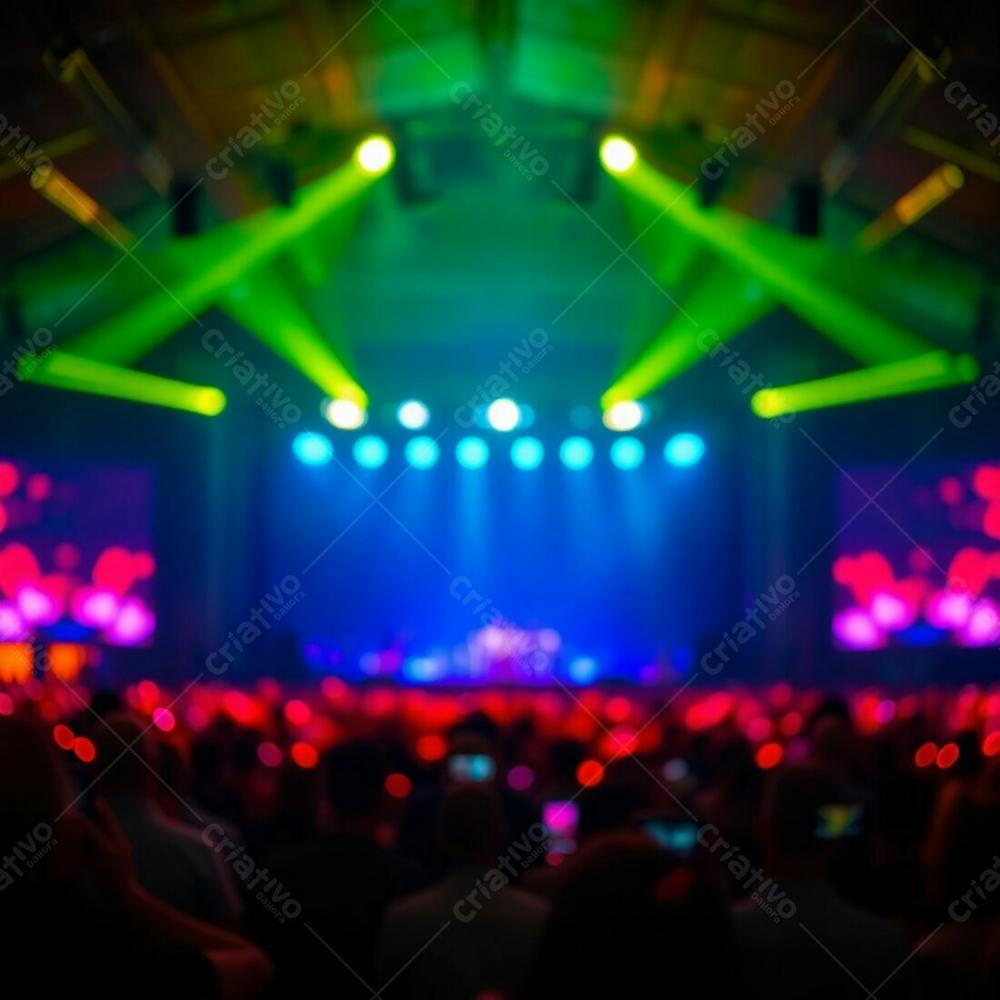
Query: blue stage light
[[413, 415], [628, 453], [422, 452], [527, 453], [684, 449], [311, 448], [583, 670], [503, 414], [370, 451], [472, 453], [576, 452]]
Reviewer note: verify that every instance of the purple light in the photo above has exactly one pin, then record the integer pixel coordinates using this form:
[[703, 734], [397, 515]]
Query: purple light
[[983, 626], [853, 629], [134, 624], [36, 606], [949, 609], [891, 612], [11, 626], [94, 607]]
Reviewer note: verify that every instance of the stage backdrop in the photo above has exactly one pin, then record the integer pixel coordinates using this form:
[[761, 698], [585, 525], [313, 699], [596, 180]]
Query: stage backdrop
[[610, 573]]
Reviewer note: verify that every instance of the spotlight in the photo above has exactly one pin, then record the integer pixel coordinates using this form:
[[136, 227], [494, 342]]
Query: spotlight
[[345, 414], [503, 414], [311, 448], [684, 450], [472, 453], [370, 451], [527, 453], [422, 452], [618, 155], [627, 453], [375, 154], [624, 415], [413, 415], [576, 452]]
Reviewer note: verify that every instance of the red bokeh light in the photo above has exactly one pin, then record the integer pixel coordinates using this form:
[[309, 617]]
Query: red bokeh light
[[297, 712], [398, 785], [164, 719], [305, 754], [143, 565], [114, 570], [9, 478], [84, 749], [991, 744], [618, 709], [269, 754], [947, 756], [590, 773], [39, 487], [431, 747], [769, 756], [926, 754], [64, 737]]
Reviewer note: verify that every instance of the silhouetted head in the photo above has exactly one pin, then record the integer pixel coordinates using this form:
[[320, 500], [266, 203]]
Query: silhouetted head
[[471, 825], [791, 817], [628, 915], [124, 740], [355, 773]]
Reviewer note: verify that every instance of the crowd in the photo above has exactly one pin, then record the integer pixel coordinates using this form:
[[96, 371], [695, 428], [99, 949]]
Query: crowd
[[726, 845]]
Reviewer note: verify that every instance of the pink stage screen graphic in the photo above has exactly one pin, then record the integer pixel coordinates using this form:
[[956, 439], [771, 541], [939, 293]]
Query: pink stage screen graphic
[[76, 562], [920, 565]]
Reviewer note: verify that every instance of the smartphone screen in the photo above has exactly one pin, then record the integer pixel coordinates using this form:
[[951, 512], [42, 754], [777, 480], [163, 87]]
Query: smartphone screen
[[838, 822], [677, 835], [561, 820], [471, 767]]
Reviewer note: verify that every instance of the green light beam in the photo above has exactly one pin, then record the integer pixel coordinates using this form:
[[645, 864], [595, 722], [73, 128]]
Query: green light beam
[[935, 370], [69, 371], [269, 310], [198, 271]]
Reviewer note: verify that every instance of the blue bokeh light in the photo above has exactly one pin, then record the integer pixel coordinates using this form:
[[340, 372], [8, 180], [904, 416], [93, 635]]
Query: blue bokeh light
[[422, 452], [576, 453], [311, 448], [684, 449], [628, 453], [370, 451], [527, 453], [472, 453]]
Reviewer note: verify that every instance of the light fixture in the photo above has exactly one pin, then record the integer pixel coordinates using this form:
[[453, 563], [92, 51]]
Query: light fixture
[[627, 453], [684, 449], [370, 451], [472, 453], [527, 453], [503, 414], [311, 448], [422, 452], [345, 414], [618, 155], [413, 415], [625, 415], [576, 453], [375, 154]]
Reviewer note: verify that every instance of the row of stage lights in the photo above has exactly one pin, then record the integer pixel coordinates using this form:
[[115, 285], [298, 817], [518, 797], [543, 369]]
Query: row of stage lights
[[422, 452], [502, 415]]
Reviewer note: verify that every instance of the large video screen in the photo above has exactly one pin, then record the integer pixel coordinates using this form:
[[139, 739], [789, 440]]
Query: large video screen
[[76, 559], [921, 564]]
